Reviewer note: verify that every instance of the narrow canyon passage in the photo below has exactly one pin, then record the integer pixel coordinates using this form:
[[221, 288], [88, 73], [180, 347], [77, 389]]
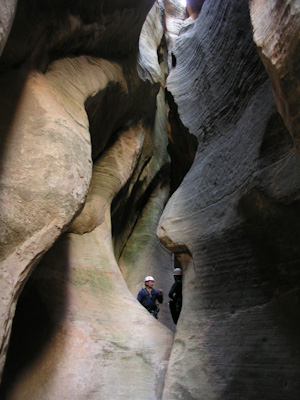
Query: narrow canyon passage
[[139, 136], [77, 287]]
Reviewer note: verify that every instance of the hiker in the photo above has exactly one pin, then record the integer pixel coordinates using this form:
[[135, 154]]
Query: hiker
[[148, 296], [175, 295]]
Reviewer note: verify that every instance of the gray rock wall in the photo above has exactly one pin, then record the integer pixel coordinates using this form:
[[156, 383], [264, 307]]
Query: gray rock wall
[[237, 334]]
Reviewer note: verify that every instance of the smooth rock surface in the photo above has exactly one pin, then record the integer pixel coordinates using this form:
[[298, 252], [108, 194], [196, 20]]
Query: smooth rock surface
[[97, 331], [276, 31], [237, 333], [37, 203], [50, 121]]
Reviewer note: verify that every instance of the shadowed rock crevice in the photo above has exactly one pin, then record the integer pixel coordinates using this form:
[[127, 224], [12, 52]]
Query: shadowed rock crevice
[[36, 319], [139, 102], [182, 145], [277, 142], [44, 32], [194, 7], [273, 229], [125, 214]]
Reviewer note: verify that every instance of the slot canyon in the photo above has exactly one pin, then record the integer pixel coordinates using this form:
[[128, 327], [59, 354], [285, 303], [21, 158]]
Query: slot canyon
[[138, 136]]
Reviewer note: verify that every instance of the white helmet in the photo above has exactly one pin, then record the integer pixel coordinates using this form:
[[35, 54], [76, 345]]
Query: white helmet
[[177, 271], [149, 278]]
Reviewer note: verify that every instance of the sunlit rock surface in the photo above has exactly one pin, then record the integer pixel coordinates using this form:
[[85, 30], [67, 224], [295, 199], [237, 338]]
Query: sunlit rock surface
[[61, 111], [37, 203], [97, 331], [235, 219]]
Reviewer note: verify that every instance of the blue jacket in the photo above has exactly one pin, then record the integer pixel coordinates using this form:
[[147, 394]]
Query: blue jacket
[[148, 300]]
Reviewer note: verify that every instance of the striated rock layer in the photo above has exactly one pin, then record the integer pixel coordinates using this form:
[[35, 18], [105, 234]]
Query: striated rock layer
[[234, 219], [88, 161], [97, 331], [276, 31], [66, 106]]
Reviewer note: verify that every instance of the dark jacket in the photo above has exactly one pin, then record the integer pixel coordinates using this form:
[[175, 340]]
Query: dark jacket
[[176, 291], [148, 300], [175, 295]]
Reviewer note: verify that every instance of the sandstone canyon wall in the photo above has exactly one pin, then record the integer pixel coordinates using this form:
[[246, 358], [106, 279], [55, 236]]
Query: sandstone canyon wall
[[132, 134]]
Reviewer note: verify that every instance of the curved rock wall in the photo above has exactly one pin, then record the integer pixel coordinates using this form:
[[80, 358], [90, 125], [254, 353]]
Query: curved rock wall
[[88, 162], [59, 117], [233, 220], [276, 26], [97, 331]]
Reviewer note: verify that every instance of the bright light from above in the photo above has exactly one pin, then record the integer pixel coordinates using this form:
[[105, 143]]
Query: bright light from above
[[183, 3]]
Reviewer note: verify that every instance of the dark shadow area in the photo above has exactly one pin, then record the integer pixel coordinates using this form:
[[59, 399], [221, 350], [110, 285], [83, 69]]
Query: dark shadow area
[[125, 214], [40, 309], [31, 329], [277, 141], [175, 292], [179, 290], [104, 119], [174, 60], [45, 31], [194, 7], [182, 145], [273, 230], [112, 110]]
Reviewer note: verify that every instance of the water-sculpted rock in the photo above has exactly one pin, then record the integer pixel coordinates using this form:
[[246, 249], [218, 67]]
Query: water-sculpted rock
[[276, 31], [7, 13], [46, 165], [83, 125], [37, 204], [99, 332], [230, 216]]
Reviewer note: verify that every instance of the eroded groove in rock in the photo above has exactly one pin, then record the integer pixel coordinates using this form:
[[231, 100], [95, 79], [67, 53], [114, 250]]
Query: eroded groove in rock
[[136, 212], [154, 162], [109, 176], [93, 312], [182, 146]]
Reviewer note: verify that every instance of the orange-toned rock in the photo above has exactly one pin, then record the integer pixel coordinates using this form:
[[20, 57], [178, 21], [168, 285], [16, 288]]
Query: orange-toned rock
[[276, 31]]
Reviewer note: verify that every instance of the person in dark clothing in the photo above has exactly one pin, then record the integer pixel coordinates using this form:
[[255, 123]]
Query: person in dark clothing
[[175, 295], [148, 296]]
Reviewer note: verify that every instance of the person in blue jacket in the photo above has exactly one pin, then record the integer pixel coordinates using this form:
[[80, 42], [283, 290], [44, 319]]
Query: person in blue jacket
[[149, 297]]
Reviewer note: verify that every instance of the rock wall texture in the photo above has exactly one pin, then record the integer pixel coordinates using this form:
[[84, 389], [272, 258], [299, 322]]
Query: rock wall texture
[[84, 128], [236, 214], [8, 9], [135, 133], [276, 28]]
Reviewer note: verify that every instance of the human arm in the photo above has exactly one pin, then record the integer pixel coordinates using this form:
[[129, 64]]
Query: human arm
[[140, 296], [172, 290], [159, 295]]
